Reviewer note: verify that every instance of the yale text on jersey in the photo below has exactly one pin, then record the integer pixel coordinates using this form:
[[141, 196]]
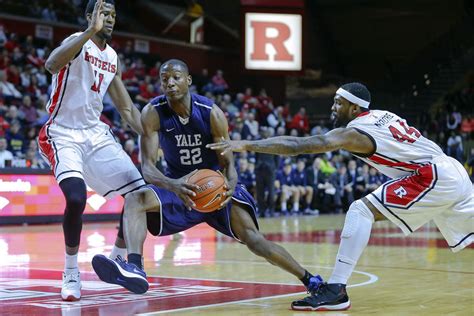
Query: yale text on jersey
[[188, 140]]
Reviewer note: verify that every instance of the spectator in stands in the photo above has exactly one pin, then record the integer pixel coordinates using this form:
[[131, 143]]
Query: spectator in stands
[[15, 140], [250, 128], [246, 177], [287, 189], [29, 111], [7, 89], [33, 161], [355, 177], [454, 147], [49, 13], [344, 190], [3, 36], [219, 84], [300, 122], [374, 180], [305, 189], [265, 178], [453, 118], [6, 156], [315, 177]]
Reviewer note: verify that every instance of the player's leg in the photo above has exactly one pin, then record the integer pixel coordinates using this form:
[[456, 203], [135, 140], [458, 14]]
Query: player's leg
[[245, 229], [296, 193], [111, 172], [75, 193], [354, 238], [130, 274], [59, 148]]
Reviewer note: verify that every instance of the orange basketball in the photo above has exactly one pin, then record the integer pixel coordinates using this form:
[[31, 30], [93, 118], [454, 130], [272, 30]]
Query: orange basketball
[[211, 190]]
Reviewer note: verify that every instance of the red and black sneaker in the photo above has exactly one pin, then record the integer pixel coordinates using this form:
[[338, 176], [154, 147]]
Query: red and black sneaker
[[328, 297]]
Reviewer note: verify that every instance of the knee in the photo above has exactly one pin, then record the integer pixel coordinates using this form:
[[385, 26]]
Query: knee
[[138, 201], [357, 212], [76, 202]]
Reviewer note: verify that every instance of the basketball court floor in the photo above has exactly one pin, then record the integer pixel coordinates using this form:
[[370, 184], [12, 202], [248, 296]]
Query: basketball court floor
[[202, 271]]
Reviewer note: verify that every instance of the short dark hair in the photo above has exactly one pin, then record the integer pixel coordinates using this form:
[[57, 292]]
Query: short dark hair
[[175, 62], [357, 89], [91, 3]]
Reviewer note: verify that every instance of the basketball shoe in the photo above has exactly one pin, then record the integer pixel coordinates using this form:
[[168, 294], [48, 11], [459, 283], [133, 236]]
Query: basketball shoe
[[120, 272], [71, 288], [327, 297]]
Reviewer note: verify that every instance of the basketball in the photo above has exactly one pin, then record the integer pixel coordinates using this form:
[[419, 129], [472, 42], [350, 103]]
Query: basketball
[[211, 190]]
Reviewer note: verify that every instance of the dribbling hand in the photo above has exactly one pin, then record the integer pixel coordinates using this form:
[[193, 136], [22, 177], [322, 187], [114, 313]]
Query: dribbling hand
[[228, 193]]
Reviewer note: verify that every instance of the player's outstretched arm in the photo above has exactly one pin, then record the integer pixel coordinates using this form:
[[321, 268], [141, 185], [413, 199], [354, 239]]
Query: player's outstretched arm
[[339, 138], [124, 103], [220, 132], [63, 54], [149, 145]]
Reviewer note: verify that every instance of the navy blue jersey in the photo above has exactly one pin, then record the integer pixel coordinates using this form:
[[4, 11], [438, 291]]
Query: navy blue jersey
[[284, 178], [298, 177], [183, 141]]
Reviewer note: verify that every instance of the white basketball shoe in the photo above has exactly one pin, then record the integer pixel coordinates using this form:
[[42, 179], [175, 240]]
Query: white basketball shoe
[[71, 289]]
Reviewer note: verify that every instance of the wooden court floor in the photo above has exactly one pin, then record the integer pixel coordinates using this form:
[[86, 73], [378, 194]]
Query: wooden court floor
[[202, 271]]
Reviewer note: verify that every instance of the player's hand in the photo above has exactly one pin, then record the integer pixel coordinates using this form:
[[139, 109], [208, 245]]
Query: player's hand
[[97, 17], [228, 146], [184, 190], [229, 191]]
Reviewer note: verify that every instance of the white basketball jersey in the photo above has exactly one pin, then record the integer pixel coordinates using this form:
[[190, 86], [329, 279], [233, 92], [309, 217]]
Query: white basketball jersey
[[78, 89], [401, 149]]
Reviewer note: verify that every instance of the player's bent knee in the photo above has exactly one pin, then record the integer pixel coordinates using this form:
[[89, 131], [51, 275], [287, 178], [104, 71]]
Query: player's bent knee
[[140, 201], [356, 211]]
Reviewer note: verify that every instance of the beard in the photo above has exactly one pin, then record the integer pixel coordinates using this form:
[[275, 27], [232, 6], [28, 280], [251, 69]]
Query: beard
[[338, 121]]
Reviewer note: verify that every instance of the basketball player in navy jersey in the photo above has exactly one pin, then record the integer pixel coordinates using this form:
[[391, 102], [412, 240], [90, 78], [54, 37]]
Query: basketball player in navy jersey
[[183, 124]]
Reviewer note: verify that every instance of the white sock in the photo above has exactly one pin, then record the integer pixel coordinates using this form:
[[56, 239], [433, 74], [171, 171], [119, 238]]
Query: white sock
[[116, 251], [71, 263], [296, 206], [283, 207], [354, 238]]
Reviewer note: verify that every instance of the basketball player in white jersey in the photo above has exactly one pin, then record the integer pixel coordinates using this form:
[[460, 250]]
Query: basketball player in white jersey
[[78, 146], [427, 184]]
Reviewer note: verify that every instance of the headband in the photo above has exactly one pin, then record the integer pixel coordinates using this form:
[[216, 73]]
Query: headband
[[352, 98]]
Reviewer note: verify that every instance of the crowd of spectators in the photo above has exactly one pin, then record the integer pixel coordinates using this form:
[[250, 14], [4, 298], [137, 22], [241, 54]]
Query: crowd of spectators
[[307, 184]]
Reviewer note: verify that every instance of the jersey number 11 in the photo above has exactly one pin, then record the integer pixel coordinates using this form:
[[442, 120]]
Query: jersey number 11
[[96, 87]]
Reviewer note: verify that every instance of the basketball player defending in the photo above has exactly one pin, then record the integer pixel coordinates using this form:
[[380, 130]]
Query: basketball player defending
[[427, 184], [78, 146], [183, 123]]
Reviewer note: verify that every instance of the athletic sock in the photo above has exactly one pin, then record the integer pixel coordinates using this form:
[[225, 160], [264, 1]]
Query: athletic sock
[[296, 207], [116, 251], [136, 259], [306, 277], [70, 264], [354, 238]]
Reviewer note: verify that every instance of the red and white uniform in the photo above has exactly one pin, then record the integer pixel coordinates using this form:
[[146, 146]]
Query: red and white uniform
[[74, 141], [427, 184]]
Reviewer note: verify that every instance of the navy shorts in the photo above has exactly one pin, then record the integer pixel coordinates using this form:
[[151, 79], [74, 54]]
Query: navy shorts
[[174, 217]]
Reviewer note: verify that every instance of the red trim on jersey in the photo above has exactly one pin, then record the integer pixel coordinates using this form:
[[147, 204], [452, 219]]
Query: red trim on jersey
[[46, 146], [363, 114], [57, 92], [383, 161]]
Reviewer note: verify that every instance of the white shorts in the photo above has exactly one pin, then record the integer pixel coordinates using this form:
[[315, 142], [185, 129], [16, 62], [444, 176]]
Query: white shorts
[[441, 192], [90, 154]]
